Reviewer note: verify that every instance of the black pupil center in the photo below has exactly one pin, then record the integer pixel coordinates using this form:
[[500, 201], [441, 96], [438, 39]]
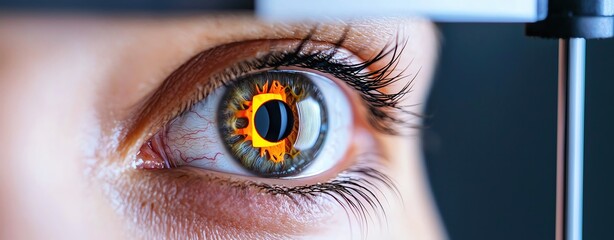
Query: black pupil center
[[274, 120]]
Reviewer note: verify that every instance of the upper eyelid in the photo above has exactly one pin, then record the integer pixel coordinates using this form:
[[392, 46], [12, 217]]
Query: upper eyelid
[[382, 105], [183, 77]]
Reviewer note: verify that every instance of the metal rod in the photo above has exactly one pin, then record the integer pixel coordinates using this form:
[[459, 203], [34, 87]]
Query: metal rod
[[570, 139]]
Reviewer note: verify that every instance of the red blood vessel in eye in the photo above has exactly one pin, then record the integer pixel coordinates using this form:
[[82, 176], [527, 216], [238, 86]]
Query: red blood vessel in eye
[[175, 145]]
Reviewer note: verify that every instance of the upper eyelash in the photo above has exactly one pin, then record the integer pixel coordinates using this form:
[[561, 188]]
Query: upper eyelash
[[385, 112], [383, 107]]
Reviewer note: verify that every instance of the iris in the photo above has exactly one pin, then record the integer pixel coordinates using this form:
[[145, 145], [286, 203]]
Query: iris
[[273, 122]]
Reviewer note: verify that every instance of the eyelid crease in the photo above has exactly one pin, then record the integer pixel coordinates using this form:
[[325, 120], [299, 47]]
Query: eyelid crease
[[205, 75], [195, 73]]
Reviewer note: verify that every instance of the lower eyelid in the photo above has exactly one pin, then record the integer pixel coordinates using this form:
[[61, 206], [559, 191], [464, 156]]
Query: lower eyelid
[[198, 203], [362, 143], [216, 206]]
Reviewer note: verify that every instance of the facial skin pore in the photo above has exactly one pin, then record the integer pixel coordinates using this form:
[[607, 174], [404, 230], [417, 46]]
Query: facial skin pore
[[70, 85]]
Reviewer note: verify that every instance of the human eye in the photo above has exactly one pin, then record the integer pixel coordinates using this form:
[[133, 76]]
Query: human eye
[[271, 123], [288, 127]]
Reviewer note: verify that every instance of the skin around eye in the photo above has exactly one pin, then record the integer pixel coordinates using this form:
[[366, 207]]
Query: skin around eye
[[353, 193], [208, 135], [352, 181], [95, 85]]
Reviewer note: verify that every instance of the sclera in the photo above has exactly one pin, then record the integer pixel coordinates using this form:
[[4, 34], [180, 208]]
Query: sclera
[[193, 138]]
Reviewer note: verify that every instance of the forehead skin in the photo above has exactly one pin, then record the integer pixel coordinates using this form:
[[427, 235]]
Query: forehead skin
[[66, 82]]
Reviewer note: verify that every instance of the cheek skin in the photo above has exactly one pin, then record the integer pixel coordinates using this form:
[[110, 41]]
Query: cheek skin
[[49, 133], [179, 202]]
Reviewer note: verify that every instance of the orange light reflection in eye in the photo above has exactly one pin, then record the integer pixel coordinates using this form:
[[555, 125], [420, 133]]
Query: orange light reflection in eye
[[275, 150]]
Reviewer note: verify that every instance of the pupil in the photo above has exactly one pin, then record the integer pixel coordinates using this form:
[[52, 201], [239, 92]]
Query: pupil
[[274, 120]]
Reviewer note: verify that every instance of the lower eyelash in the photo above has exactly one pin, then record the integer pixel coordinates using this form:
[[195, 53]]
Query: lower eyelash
[[356, 190]]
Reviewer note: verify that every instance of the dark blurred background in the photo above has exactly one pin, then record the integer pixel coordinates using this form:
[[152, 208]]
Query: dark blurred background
[[490, 138]]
